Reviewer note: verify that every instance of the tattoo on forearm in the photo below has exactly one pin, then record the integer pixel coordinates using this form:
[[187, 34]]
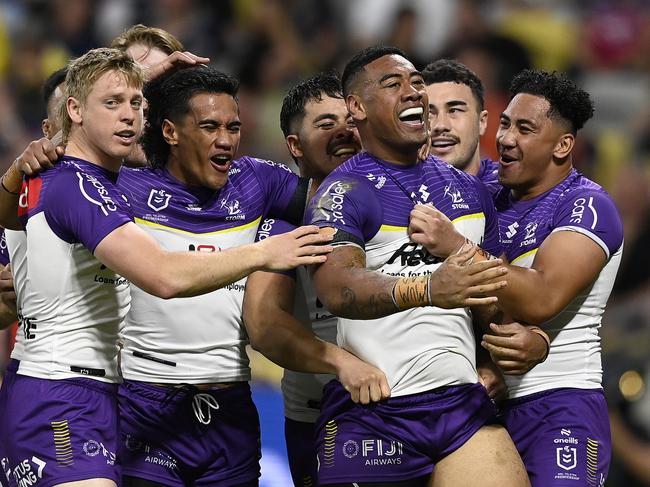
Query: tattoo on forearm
[[411, 292], [373, 306]]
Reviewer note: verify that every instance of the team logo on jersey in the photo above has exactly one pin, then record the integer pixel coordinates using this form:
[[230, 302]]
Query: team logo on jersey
[[530, 229], [234, 209], [567, 457], [93, 448], [158, 199], [456, 198], [381, 180]]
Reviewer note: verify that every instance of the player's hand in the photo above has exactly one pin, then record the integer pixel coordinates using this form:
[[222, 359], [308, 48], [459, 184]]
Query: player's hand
[[459, 282], [303, 246], [39, 155], [7, 291], [514, 347], [434, 231], [175, 60], [364, 382], [424, 151], [492, 379]]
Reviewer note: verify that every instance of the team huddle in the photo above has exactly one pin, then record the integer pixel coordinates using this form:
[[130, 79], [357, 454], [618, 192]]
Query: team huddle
[[436, 313]]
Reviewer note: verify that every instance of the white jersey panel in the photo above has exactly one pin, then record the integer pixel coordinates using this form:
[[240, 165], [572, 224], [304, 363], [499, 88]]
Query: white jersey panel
[[17, 248], [192, 340], [303, 392], [574, 357], [72, 309]]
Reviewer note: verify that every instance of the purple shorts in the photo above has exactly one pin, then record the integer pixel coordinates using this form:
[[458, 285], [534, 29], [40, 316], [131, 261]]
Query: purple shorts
[[179, 435], [57, 431], [562, 435], [397, 439], [7, 380], [301, 451]]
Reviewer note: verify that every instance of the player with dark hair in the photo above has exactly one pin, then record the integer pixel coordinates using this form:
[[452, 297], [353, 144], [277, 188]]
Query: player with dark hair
[[186, 381], [320, 136], [53, 89], [400, 308], [80, 226], [563, 234], [457, 118]]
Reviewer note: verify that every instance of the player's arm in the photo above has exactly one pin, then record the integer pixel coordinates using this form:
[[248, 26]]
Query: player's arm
[[39, 154], [565, 264], [8, 312], [279, 336], [130, 252], [349, 290]]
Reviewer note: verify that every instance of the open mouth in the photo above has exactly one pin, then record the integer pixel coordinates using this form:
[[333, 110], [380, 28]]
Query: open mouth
[[507, 159], [344, 151], [221, 162], [412, 116], [443, 144], [126, 136]]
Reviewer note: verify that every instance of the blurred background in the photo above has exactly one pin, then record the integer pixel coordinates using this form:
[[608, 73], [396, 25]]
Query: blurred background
[[270, 44]]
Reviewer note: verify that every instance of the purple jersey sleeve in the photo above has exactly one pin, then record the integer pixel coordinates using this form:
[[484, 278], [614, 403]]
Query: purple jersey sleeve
[[285, 193], [273, 226], [4, 252], [592, 213], [349, 204], [491, 242], [81, 209]]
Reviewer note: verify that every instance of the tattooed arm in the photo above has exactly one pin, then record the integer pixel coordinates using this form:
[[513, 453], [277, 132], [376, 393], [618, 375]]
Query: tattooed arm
[[349, 290]]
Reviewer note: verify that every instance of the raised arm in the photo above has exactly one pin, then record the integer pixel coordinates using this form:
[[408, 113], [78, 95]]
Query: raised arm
[[277, 334], [130, 252]]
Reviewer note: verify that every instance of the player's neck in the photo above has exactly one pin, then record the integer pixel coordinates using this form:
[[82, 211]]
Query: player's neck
[[474, 165], [81, 148], [548, 183], [394, 156]]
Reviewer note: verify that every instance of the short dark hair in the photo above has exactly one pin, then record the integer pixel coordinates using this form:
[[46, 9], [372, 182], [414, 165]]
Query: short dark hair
[[361, 60], [168, 97], [52, 81], [450, 70], [310, 89], [567, 100]]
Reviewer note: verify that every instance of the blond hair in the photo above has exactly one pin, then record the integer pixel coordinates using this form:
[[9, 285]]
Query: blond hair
[[152, 37], [84, 72]]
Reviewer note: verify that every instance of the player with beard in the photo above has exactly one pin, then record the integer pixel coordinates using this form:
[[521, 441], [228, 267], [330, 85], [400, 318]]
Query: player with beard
[[320, 136], [398, 310]]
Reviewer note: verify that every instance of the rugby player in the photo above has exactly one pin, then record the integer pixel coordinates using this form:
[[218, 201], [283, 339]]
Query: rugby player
[[398, 308], [79, 221]]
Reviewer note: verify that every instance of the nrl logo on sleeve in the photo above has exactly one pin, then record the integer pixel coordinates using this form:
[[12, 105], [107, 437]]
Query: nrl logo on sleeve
[[158, 199]]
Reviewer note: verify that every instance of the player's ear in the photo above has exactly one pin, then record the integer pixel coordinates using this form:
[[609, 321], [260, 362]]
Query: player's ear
[[74, 108], [355, 107], [295, 148], [482, 122], [564, 146], [169, 132]]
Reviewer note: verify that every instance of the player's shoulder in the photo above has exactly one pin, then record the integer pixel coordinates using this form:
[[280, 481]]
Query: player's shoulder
[[248, 163]]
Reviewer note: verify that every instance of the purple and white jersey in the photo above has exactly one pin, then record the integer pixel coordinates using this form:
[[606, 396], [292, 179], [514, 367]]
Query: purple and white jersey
[[488, 174], [72, 305], [575, 205], [368, 201], [199, 339], [302, 392], [16, 244]]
